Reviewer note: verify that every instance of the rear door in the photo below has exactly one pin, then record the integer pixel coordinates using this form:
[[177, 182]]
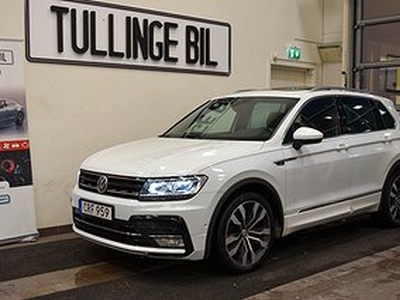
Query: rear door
[[369, 127]]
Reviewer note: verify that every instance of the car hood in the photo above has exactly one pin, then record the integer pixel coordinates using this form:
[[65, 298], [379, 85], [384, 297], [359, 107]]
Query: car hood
[[158, 157]]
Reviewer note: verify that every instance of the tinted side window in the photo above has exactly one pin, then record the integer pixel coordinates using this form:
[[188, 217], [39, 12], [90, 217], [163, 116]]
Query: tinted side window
[[320, 114], [359, 115], [386, 117]]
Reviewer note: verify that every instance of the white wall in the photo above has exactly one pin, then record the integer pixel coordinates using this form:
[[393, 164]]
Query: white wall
[[74, 111], [333, 33]]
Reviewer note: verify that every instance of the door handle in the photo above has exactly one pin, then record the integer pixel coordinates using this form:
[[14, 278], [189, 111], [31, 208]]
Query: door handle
[[387, 138], [342, 147]]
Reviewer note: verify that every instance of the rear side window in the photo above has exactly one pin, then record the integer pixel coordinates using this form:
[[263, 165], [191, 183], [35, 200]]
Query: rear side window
[[387, 120], [360, 115], [363, 115]]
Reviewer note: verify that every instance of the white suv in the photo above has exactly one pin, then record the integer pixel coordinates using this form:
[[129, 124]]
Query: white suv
[[242, 170]]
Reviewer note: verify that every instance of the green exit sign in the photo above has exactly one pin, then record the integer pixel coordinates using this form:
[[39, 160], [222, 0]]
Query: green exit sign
[[293, 53]]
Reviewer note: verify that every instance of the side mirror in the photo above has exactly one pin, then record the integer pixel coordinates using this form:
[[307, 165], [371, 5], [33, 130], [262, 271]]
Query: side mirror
[[306, 135]]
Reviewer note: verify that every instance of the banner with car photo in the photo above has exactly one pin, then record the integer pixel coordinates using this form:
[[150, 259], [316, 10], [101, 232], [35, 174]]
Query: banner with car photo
[[17, 207]]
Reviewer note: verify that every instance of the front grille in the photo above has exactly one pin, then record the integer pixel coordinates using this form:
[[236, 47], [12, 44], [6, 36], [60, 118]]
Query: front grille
[[137, 231], [118, 186]]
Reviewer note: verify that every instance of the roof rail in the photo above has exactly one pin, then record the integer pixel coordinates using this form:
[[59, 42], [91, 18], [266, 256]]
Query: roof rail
[[250, 90], [340, 88], [305, 88], [294, 88]]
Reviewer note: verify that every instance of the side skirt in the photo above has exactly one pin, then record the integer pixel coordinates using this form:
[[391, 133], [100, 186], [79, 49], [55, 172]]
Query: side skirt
[[331, 212]]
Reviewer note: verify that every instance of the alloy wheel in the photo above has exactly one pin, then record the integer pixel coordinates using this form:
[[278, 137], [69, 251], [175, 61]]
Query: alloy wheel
[[394, 199], [248, 233]]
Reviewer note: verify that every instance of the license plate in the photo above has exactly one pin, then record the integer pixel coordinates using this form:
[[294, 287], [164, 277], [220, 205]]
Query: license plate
[[96, 210]]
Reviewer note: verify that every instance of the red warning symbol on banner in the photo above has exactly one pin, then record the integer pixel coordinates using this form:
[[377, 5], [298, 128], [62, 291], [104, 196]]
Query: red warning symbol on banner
[[17, 145]]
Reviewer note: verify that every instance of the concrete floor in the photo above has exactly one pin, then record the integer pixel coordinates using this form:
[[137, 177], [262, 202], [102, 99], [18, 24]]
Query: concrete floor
[[353, 260], [370, 278]]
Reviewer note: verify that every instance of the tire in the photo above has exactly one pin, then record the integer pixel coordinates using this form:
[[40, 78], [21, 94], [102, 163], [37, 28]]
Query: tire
[[245, 232], [389, 210]]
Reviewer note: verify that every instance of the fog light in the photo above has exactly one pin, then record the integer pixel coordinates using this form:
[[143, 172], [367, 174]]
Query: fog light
[[171, 241]]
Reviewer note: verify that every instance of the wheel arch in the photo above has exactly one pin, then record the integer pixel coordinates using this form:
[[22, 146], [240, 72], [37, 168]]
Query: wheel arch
[[393, 168], [384, 215], [257, 185]]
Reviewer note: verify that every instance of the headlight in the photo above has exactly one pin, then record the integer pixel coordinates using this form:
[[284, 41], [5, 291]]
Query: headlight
[[177, 188]]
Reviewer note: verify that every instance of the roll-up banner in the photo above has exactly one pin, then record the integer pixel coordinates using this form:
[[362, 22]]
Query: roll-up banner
[[17, 208]]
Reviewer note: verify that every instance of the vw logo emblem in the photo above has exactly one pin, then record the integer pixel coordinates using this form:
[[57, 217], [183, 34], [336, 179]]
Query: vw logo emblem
[[102, 184]]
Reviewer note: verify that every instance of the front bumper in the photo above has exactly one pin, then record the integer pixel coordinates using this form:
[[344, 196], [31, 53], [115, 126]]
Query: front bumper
[[139, 234], [138, 227]]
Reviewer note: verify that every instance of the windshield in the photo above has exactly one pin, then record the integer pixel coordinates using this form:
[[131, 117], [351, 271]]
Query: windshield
[[246, 118]]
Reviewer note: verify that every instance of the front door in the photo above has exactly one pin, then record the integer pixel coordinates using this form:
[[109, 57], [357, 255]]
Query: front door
[[317, 175]]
